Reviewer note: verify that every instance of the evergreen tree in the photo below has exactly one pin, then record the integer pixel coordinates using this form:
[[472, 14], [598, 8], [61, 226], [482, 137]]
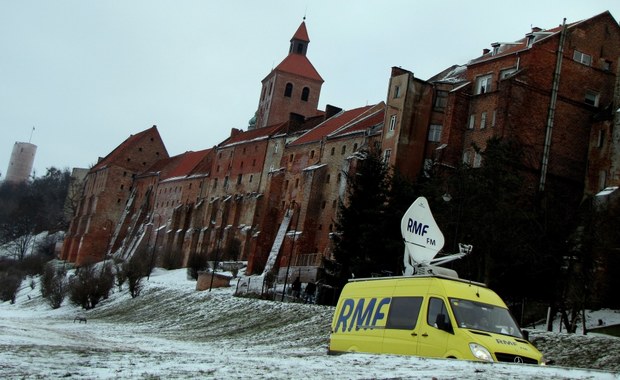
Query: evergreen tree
[[362, 238]]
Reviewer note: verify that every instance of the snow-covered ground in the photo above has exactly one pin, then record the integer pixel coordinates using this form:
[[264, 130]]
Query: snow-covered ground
[[173, 331]]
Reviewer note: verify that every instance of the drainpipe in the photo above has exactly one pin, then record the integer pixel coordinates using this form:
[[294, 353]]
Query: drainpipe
[[551, 112]]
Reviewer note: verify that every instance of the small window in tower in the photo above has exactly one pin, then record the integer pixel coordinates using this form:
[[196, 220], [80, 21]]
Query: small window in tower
[[396, 91], [296, 182], [305, 93], [288, 91], [290, 158], [344, 149], [312, 154], [392, 122], [355, 147], [140, 149], [333, 151], [323, 204], [328, 178], [241, 165], [300, 48], [251, 178], [239, 178]]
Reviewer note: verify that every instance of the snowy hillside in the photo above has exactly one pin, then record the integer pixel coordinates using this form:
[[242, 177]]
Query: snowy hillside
[[173, 331]]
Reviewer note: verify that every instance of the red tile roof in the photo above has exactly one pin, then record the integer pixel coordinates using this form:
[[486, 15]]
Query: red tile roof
[[369, 119], [186, 163], [331, 125], [301, 33], [254, 134], [131, 141], [299, 65], [521, 45]]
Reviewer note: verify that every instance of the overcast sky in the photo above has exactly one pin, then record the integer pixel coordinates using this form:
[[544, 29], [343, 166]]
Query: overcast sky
[[87, 74]]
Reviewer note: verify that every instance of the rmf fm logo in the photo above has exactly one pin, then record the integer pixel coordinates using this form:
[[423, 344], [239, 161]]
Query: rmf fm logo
[[419, 228]]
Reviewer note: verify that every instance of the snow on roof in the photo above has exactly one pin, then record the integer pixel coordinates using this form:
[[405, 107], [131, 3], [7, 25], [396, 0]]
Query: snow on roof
[[314, 167], [606, 191]]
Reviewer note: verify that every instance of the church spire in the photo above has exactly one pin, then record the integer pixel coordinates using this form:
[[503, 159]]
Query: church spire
[[300, 40]]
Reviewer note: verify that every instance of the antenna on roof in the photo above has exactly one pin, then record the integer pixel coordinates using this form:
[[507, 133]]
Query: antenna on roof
[[305, 12], [31, 132]]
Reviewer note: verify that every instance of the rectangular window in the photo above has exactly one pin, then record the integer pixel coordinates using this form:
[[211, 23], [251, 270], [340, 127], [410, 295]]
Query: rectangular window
[[483, 84], [396, 91], [472, 121], [591, 98], [437, 313], [601, 138], [582, 58], [493, 119], [477, 160], [506, 73], [441, 99], [386, 156], [392, 122], [434, 133], [403, 313], [466, 157], [602, 179], [239, 177], [483, 120]]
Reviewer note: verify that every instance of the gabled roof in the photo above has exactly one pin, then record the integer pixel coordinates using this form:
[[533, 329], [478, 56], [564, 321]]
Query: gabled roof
[[113, 158], [186, 163], [301, 33], [253, 135], [538, 35], [369, 119], [332, 125], [299, 64]]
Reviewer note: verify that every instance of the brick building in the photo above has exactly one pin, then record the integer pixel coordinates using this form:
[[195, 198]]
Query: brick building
[[107, 190], [272, 192]]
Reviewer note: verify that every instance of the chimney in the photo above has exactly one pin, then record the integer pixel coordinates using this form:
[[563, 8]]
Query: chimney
[[485, 51], [536, 29], [331, 111], [234, 132]]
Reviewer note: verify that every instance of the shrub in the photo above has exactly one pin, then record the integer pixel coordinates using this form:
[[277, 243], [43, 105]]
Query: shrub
[[135, 269], [90, 285], [10, 281], [54, 285]]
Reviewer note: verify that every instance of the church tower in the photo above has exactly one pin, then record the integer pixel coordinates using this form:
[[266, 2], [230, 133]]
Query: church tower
[[293, 86]]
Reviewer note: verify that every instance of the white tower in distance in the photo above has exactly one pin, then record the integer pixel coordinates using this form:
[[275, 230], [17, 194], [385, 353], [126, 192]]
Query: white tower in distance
[[20, 165]]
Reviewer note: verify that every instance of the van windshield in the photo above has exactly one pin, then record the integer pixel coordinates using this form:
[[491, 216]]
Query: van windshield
[[484, 317]]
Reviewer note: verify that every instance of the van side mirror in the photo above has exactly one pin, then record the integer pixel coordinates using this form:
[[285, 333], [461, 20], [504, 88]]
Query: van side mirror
[[443, 323], [526, 335]]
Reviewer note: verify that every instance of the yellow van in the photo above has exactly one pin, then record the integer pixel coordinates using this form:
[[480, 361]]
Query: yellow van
[[434, 316]]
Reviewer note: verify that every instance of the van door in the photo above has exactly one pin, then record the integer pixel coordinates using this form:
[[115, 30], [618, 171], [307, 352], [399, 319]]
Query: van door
[[435, 330], [399, 336]]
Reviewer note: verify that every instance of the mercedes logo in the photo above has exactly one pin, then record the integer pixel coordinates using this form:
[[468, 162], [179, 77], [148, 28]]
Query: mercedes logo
[[518, 359]]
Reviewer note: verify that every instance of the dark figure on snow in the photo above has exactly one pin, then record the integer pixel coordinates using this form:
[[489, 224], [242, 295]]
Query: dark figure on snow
[[296, 288], [309, 292]]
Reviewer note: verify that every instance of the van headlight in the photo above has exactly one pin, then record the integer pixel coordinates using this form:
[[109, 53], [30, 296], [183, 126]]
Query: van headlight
[[480, 352]]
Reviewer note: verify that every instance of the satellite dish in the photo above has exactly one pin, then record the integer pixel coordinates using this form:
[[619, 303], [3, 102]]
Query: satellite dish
[[422, 236]]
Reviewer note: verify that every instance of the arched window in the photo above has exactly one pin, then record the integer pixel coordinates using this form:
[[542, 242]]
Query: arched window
[[288, 90], [305, 93]]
